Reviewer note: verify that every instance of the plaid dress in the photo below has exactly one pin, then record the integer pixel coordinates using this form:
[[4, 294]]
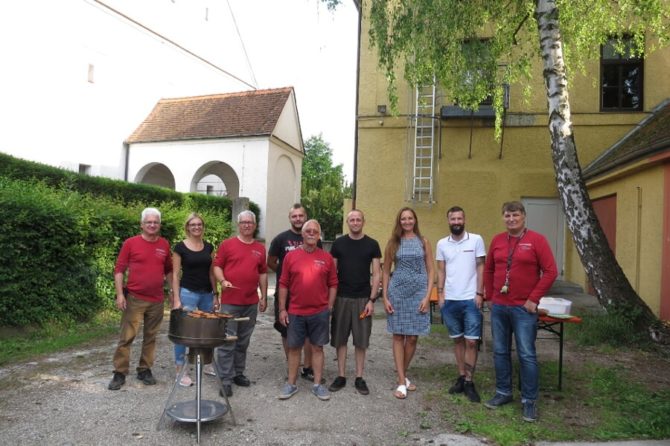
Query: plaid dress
[[406, 289]]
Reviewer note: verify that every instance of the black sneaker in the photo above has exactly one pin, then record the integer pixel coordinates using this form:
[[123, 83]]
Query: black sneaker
[[458, 385], [471, 392], [529, 411], [228, 389], [241, 381], [308, 374], [339, 383], [146, 377], [117, 381], [498, 400], [361, 386]]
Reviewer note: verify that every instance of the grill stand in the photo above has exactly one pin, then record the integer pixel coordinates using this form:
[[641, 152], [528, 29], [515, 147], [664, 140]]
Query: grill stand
[[183, 411]]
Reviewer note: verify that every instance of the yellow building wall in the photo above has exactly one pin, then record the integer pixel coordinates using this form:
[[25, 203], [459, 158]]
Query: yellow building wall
[[639, 230], [469, 171]]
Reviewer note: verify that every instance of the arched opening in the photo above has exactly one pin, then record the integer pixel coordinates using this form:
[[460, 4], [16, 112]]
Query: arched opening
[[216, 178], [156, 174]]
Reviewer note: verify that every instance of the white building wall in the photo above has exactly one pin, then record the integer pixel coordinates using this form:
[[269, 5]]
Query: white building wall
[[77, 78], [285, 167], [247, 157]]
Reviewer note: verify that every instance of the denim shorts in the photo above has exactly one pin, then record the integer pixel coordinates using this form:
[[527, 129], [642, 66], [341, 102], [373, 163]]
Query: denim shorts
[[462, 318], [313, 327]]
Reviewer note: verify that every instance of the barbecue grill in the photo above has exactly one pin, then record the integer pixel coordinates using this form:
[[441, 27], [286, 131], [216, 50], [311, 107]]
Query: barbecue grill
[[201, 332]]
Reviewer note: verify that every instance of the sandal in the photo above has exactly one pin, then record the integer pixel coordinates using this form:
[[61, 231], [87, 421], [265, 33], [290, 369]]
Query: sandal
[[400, 392], [186, 381], [411, 387]]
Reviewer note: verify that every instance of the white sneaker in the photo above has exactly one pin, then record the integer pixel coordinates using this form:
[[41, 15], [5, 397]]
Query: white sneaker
[[186, 381], [209, 370]]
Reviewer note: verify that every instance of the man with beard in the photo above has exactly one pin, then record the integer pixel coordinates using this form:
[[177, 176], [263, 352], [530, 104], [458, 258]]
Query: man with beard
[[460, 284], [281, 245]]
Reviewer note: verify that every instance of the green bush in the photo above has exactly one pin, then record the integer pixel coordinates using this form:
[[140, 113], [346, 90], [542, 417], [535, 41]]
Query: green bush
[[48, 272], [119, 191], [63, 231]]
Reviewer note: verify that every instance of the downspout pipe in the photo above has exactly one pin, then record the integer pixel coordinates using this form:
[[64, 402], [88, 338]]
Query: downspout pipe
[[358, 5], [126, 161]]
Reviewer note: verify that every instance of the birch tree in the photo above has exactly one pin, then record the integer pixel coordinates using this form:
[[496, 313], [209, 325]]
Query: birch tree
[[445, 39]]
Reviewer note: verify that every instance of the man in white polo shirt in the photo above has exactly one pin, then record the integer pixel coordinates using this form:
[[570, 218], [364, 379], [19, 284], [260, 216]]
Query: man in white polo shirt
[[460, 286]]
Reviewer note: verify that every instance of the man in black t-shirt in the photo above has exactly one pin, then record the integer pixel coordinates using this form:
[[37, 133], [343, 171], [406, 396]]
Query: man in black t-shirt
[[357, 257], [281, 245]]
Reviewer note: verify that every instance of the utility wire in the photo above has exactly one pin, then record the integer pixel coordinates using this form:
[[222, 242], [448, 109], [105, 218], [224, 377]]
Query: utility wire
[[244, 48]]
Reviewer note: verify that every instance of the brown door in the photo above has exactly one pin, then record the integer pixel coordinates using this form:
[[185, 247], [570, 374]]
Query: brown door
[[605, 209]]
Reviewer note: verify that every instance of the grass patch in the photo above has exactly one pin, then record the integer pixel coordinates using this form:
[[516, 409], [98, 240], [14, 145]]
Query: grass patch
[[25, 343], [602, 399]]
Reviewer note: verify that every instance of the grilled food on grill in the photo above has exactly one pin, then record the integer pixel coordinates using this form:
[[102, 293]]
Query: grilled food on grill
[[208, 315]]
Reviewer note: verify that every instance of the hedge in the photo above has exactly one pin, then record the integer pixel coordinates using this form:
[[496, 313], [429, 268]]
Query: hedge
[[62, 234]]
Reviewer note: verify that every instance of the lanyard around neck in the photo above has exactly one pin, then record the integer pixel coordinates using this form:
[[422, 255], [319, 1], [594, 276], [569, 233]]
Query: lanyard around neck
[[510, 255]]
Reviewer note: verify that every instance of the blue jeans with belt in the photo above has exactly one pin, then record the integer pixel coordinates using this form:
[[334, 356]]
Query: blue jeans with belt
[[505, 321], [191, 300]]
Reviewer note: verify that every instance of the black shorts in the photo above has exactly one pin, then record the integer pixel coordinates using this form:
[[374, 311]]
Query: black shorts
[[346, 320], [278, 325]]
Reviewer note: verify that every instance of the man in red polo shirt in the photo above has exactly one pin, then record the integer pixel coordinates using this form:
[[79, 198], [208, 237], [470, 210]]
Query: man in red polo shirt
[[310, 276], [240, 268], [147, 259]]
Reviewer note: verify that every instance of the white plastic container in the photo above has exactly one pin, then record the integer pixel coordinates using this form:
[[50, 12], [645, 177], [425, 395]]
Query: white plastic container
[[555, 305]]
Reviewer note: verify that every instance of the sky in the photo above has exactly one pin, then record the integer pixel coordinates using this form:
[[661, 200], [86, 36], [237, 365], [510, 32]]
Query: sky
[[266, 43], [301, 43]]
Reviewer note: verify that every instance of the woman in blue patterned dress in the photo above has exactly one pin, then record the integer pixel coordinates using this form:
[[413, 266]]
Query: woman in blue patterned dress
[[406, 292]]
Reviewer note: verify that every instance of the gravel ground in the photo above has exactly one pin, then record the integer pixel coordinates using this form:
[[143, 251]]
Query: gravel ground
[[63, 399]]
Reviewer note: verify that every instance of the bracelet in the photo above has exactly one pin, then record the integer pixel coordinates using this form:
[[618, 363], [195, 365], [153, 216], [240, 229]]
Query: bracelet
[[372, 300], [479, 294]]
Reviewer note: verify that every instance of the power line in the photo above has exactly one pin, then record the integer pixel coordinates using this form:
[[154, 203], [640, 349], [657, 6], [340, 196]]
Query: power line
[[244, 48]]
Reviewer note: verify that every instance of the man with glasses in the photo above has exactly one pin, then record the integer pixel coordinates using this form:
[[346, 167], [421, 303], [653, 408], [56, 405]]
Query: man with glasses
[[281, 245], [240, 268], [146, 258], [310, 276]]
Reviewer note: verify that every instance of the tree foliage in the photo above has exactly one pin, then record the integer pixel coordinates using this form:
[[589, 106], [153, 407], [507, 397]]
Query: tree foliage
[[323, 186], [435, 38], [474, 48]]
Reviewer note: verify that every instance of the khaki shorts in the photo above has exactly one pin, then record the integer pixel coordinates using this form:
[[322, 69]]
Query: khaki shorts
[[345, 320]]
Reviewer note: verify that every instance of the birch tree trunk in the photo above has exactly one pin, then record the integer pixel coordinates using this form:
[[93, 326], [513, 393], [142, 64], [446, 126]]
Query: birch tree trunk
[[607, 278]]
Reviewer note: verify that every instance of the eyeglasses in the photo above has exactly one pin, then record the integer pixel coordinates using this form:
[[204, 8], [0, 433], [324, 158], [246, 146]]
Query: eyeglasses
[[195, 225], [246, 223], [311, 231], [152, 223]]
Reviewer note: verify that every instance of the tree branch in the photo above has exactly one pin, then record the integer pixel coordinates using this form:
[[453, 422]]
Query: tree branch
[[518, 28]]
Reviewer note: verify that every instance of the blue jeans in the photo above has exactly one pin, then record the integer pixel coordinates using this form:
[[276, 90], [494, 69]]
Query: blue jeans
[[191, 300], [505, 321], [462, 318]]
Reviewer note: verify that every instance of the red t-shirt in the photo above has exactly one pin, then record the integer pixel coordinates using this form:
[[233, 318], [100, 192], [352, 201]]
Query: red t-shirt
[[532, 272], [242, 264], [308, 277], [147, 264]]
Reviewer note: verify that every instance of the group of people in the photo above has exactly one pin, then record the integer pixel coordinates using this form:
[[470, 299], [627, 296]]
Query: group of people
[[196, 273], [517, 271], [322, 297]]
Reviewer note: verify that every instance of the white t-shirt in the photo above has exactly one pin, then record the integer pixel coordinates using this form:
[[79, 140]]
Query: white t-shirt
[[460, 258]]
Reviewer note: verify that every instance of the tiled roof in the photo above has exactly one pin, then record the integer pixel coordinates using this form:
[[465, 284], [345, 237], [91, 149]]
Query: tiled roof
[[650, 136], [247, 113]]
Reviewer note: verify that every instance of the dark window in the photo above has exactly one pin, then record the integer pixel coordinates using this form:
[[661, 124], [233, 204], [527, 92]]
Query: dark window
[[621, 75]]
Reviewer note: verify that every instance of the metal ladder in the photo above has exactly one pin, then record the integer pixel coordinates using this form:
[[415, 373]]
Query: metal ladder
[[424, 143]]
